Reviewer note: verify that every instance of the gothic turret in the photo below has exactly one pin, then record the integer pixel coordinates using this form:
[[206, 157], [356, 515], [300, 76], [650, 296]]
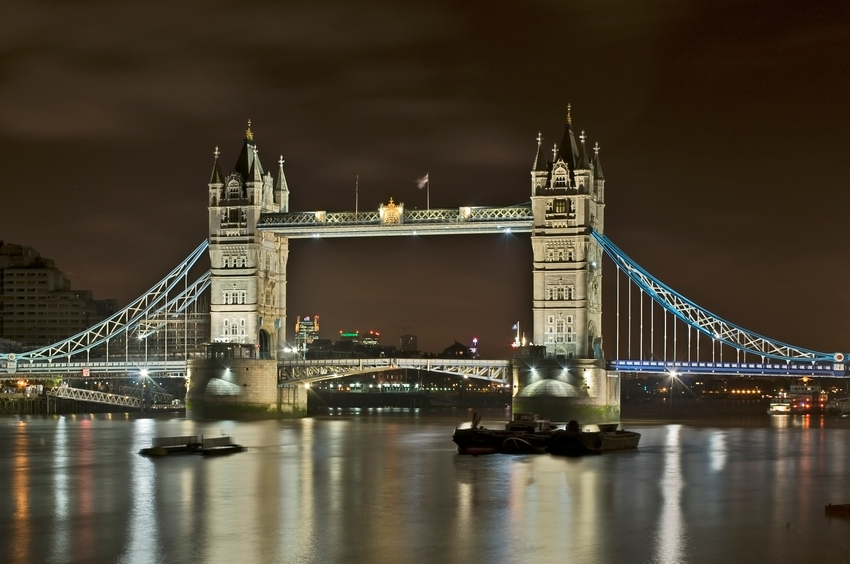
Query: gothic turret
[[281, 190], [598, 179], [567, 150], [540, 169]]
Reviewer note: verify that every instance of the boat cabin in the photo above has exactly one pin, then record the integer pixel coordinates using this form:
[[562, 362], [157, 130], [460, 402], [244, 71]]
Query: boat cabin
[[529, 423]]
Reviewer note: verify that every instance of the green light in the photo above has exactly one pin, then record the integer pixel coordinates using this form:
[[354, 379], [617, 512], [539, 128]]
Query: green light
[[348, 334]]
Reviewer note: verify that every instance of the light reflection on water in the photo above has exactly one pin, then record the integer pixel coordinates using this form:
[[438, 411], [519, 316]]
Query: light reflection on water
[[384, 488]]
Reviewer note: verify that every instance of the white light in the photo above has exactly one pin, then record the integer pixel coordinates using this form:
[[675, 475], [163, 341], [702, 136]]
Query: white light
[[144, 373], [307, 385]]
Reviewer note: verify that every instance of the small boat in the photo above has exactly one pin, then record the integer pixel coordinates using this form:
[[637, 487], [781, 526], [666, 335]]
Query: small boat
[[220, 445], [528, 434], [842, 510], [192, 444], [163, 446]]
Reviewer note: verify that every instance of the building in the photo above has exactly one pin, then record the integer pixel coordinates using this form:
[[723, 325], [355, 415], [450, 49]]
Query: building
[[568, 202], [38, 307], [407, 343], [306, 331], [371, 339]]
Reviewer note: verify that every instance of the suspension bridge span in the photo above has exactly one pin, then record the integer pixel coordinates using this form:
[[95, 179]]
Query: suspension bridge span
[[250, 225]]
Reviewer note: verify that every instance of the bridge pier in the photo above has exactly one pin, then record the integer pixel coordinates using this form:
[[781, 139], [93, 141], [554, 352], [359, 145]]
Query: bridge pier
[[231, 382], [565, 389]]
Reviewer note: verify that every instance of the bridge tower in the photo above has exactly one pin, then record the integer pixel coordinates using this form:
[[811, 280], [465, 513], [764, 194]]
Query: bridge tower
[[238, 374], [568, 201], [562, 374], [248, 286]]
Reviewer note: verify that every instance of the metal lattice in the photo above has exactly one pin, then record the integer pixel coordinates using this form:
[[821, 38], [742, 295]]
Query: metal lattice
[[703, 320], [120, 322], [307, 371]]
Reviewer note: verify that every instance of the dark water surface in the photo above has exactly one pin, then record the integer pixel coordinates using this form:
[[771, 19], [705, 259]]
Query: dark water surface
[[388, 487]]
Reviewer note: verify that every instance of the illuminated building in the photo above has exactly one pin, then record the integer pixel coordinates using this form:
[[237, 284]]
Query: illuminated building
[[371, 339], [306, 331], [350, 336]]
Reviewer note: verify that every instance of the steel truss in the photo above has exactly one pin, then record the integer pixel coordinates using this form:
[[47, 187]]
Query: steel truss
[[120, 322], [411, 222], [703, 320], [175, 306], [95, 397], [308, 371]]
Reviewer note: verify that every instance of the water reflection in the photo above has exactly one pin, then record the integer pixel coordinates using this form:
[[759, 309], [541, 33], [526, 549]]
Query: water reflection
[[142, 543], [60, 541], [717, 446], [670, 536], [21, 492]]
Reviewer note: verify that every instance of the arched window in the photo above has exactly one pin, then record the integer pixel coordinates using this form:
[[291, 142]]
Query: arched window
[[560, 205]]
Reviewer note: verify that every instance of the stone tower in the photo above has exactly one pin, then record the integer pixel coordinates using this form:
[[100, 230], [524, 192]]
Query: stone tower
[[568, 201], [248, 287]]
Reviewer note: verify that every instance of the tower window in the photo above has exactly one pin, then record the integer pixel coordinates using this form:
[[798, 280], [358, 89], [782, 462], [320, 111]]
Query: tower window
[[560, 205]]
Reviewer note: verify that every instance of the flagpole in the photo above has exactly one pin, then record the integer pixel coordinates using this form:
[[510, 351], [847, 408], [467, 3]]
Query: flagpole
[[356, 192], [428, 190]]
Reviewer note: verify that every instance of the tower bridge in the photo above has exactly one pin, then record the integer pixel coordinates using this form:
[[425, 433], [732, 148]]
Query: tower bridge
[[250, 225]]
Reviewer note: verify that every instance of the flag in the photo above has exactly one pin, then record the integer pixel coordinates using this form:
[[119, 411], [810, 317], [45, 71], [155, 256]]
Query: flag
[[422, 182], [516, 326]]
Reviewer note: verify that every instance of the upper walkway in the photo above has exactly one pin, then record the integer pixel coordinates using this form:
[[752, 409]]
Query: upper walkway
[[395, 221]]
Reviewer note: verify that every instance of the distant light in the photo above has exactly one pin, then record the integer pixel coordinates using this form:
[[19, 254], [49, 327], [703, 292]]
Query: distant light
[[307, 385], [507, 230], [144, 373]]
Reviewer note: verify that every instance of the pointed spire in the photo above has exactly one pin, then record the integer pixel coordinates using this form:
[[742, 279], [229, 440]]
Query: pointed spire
[[567, 150], [245, 163], [281, 190], [583, 162], [540, 158], [256, 172], [216, 177], [597, 168]]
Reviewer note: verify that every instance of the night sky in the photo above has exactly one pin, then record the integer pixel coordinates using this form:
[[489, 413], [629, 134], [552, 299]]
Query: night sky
[[723, 127]]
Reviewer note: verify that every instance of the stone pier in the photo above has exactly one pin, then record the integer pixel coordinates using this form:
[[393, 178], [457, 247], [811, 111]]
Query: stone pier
[[562, 390], [230, 382]]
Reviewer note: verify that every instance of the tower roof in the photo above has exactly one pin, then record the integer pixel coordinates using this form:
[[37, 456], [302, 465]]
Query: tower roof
[[567, 150], [245, 162]]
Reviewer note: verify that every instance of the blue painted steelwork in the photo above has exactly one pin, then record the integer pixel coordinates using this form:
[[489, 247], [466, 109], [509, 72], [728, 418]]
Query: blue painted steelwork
[[706, 322], [836, 370], [151, 302]]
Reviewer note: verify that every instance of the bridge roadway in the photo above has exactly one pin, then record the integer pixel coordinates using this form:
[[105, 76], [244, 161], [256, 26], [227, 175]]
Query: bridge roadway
[[308, 371], [774, 369], [497, 371], [395, 221]]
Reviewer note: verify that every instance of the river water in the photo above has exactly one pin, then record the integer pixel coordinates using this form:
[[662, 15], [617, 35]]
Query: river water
[[388, 487]]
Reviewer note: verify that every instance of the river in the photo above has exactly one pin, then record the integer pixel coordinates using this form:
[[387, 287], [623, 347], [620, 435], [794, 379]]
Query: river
[[385, 486]]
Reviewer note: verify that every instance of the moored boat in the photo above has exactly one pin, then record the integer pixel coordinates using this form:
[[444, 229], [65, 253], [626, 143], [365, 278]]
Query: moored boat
[[191, 444], [527, 434]]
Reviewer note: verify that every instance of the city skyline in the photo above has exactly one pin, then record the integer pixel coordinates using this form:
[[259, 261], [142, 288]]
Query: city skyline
[[721, 128]]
